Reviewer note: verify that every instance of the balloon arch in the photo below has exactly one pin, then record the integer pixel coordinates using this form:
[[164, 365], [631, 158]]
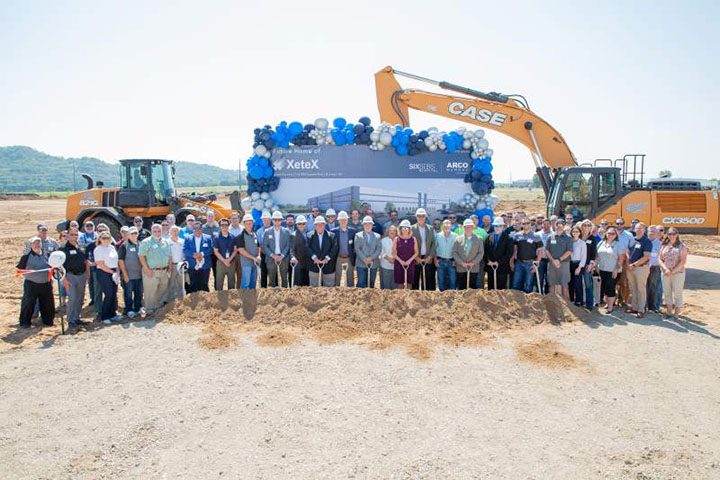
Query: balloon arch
[[261, 175]]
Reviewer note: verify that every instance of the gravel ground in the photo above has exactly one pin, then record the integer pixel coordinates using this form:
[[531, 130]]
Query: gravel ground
[[143, 400]]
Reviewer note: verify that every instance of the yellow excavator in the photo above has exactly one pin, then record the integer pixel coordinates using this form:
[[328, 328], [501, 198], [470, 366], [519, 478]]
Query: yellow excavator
[[147, 189], [604, 189]]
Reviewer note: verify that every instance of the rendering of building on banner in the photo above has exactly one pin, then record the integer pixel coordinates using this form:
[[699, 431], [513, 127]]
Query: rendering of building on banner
[[378, 199]]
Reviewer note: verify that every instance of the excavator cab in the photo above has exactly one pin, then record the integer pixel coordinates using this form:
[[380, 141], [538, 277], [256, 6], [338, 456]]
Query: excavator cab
[[584, 192], [146, 183]]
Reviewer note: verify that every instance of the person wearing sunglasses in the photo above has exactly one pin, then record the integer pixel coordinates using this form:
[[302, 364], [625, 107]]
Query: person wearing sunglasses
[[610, 263], [673, 257], [77, 274], [638, 270], [131, 274], [626, 241], [106, 262], [654, 283], [527, 251]]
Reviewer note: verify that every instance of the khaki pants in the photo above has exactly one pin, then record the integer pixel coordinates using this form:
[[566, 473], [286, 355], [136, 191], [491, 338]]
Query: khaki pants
[[176, 284], [623, 286], [221, 271], [637, 280], [155, 289], [673, 289], [328, 279], [350, 279]]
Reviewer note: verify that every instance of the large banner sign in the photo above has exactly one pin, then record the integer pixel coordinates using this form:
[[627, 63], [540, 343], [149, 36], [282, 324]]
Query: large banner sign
[[355, 176], [357, 161]]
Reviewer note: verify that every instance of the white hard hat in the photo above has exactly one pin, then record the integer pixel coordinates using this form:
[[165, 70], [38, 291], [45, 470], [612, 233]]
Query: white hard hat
[[405, 223], [420, 211], [342, 215], [498, 222], [247, 217], [265, 214], [301, 219], [468, 223], [330, 212], [277, 215], [368, 219], [319, 219]]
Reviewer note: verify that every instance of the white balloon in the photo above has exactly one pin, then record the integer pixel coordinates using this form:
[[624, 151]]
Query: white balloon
[[260, 150], [483, 143], [264, 195], [480, 133], [321, 123], [466, 144], [259, 204], [474, 155], [56, 259], [375, 136], [268, 154], [268, 203], [255, 195], [385, 139], [489, 152], [380, 146], [432, 147]]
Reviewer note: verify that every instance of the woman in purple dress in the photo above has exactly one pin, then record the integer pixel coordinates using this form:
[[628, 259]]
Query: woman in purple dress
[[405, 251]]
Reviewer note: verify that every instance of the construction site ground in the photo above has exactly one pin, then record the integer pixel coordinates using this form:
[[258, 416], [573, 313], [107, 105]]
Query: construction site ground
[[347, 384]]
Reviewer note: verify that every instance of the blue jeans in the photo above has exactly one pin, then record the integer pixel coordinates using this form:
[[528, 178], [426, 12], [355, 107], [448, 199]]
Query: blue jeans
[[132, 295], [587, 280], [248, 280], [446, 275], [543, 268], [108, 307], [362, 275], [523, 277]]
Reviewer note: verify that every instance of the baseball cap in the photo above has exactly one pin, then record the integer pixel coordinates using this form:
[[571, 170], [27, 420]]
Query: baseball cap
[[197, 226], [343, 215], [301, 219], [42, 226], [190, 217], [35, 239], [420, 211], [132, 230], [368, 219]]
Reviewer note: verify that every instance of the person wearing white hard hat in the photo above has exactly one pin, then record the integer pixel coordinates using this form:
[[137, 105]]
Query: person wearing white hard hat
[[468, 253], [37, 286], [266, 220], [345, 238], [248, 248], [299, 254], [405, 251], [368, 248], [498, 251], [235, 230], [425, 236], [330, 219], [276, 246], [322, 250]]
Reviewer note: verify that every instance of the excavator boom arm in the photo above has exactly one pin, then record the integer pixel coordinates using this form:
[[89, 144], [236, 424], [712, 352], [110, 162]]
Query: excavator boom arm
[[504, 115]]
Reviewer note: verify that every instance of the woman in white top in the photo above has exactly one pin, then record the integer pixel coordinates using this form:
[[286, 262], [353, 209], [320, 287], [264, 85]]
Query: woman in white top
[[106, 262], [176, 288], [387, 261], [577, 263], [609, 261]]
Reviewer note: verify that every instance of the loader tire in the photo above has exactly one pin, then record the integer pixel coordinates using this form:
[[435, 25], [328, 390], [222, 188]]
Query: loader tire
[[112, 224]]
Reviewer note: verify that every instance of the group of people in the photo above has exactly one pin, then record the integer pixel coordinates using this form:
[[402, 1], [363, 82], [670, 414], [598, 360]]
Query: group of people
[[635, 267]]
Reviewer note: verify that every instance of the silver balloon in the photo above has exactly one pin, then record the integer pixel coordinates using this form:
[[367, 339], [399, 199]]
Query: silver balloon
[[321, 123], [255, 195], [260, 150], [264, 195]]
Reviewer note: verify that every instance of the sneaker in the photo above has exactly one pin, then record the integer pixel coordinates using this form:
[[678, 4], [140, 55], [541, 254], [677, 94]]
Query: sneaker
[[131, 314], [142, 312], [81, 322], [107, 321], [72, 329]]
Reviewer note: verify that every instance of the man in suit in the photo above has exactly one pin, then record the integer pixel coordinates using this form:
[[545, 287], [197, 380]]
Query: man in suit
[[367, 254], [276, 245], [265, 218], [425, 237], [498, 251], [198, 251], [299, 253], [468, 252], [344, 237], [322, 249]]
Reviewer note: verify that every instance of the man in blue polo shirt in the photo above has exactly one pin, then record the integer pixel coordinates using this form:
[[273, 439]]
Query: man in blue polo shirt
[[638, 270]]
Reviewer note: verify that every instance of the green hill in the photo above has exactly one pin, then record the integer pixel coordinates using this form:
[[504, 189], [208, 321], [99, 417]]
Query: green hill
[[23, 169]]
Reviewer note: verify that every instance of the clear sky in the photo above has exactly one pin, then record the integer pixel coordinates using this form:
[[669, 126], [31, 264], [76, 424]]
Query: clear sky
[[190, 80]]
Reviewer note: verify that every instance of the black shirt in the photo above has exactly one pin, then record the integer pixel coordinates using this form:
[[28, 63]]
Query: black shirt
[[591, 249], [75, 259], [527, 245]]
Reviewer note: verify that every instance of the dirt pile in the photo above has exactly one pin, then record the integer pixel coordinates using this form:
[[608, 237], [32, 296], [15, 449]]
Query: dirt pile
[[377, 319], [547, 353]]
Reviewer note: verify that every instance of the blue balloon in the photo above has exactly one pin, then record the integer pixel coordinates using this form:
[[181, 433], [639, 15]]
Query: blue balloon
[[295, 128], [339, 122], [485, 211], [364, 120], [485, 167]]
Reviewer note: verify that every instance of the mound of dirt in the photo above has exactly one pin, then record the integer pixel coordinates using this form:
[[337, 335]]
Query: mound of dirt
[[377, 319], [547, 353]]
